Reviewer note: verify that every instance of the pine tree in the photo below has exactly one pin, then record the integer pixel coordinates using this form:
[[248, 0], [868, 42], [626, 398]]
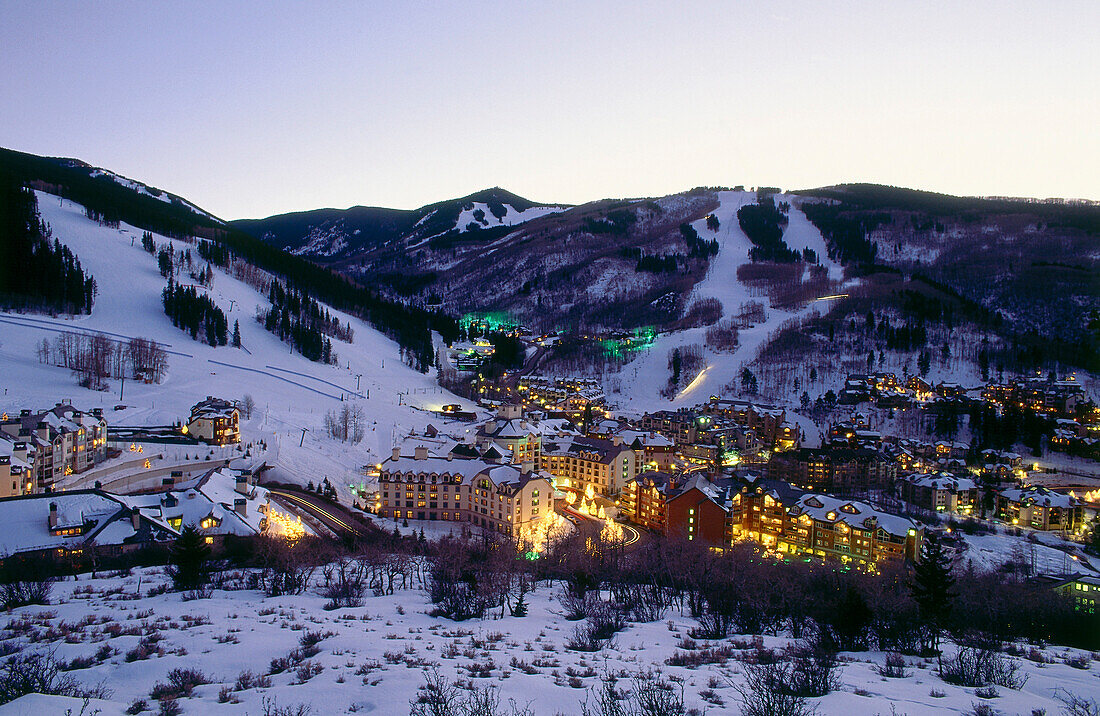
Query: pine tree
[[189, 561], [236, 334], [520, 610], [924, 363], [932, 587], [1093, 544]]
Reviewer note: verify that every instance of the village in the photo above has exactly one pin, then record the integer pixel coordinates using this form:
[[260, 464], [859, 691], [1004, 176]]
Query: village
[[552, 457]]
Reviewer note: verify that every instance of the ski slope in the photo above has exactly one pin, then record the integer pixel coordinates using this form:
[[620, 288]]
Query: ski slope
[[512, 216], [643, 378], [291, 392]]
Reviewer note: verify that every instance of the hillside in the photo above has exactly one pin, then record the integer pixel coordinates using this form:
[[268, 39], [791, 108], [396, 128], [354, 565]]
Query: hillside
[[291, 393]]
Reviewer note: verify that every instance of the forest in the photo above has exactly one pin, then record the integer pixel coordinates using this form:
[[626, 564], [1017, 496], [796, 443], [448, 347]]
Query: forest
[[35, 272], [763, 223], [298, 319], [195, 313]]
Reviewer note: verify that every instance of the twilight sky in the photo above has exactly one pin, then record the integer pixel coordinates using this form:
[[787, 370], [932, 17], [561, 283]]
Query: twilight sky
[[251, 109]]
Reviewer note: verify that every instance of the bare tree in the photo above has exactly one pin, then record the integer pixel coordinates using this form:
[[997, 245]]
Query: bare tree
[[248, 405], [346, 424]]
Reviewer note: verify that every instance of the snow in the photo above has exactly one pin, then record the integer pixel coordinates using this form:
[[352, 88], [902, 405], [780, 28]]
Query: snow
[[291, 392], [512, 216], [327, 240], [146, 190], [377, 655], [649, 373], [988, 552]]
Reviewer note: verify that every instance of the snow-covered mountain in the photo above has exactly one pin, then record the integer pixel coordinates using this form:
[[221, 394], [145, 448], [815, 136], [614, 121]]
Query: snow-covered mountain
[[334, 235], [291, 393]]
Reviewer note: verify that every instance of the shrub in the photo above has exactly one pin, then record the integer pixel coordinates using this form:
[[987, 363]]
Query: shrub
[[650, 694], [1074, 705], [981, 665], [271, 708], [181, 683], [813, 670], [137, 707], [894, 666], [24, 582], [40, 673], [248, 680], [343, 583], [765, 692]]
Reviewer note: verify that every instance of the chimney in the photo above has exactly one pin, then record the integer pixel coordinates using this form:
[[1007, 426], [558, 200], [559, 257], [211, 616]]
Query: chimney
[[450, 456], [243, 483], [527, 467], [167, 481], [135, 517], [53, 515], [396, 453], [421, 452], [616, 440], [491, 426], [240, 506]]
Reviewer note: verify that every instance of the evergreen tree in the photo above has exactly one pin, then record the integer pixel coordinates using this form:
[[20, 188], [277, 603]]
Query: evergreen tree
[[236, 334], [924, 363], [189, 561], [1093, 543], [520, 610], [932, 588]]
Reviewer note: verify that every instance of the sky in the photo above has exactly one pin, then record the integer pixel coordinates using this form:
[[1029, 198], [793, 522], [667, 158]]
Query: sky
[[252, 109]]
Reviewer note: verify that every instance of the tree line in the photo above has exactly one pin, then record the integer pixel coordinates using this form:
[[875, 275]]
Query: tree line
[[763, 223], [846, 237], [35, 272], [195, 313], [298, 319], [93, 358]]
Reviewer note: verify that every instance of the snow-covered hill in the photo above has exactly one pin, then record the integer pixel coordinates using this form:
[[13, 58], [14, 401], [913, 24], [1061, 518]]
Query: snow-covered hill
[[291, 392], [638, 387], [481, 214], [372, 658]]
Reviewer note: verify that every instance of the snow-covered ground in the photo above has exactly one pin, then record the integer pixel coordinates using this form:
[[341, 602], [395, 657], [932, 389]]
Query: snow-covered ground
[[372, 658], [643, 378], [987, 553], [291, 393], [512, 216]]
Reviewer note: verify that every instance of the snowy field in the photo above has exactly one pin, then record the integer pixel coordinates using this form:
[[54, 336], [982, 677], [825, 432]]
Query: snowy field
[[291, 393], [371, 659]]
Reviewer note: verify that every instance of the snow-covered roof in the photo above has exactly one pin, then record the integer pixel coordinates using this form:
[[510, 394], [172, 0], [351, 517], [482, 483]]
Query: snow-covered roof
[[7, 449], [942, 481], [650, 440], [99, 517], [213, 408], [859, 515], [1040, 496], [405, 464]]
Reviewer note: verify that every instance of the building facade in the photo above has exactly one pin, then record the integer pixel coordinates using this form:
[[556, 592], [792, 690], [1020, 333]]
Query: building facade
[[61, 441], [215, 421]]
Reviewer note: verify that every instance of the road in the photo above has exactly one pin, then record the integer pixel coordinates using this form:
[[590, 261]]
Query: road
[[631, 535], [337, 519]]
